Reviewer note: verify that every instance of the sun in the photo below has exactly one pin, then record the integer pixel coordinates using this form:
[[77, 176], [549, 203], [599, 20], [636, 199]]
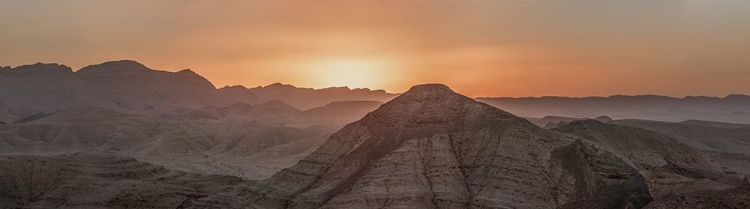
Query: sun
[[354, 73]]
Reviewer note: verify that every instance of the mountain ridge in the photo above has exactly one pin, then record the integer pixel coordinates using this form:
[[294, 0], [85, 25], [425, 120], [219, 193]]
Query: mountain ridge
[[128, 85]]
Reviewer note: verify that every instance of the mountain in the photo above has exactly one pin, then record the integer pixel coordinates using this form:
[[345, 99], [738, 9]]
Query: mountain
[[270, 111], [342, 112], [130, 86], [433, 148], [306, 98], [117, 85], [731, 109], [336, 114], [240, 93], [552, 120]]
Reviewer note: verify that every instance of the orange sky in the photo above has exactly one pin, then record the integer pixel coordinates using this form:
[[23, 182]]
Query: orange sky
[[480, 48]]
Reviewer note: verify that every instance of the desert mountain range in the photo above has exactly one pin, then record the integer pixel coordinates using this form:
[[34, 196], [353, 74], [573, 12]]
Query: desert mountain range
[[175, 119], [121, 135], [132, 87]]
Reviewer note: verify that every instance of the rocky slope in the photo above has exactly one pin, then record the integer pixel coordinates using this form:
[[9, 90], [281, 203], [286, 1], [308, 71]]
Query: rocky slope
[[670, 167], [433, 148], [730, 198], [226, 147], [728, 145], [646, 148], [99, 182]]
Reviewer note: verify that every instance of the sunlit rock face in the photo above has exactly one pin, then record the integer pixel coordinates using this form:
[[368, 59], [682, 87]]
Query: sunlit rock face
[[434, 148]]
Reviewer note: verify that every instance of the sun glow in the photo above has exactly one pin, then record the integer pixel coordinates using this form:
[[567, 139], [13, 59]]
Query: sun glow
[[354, 73]]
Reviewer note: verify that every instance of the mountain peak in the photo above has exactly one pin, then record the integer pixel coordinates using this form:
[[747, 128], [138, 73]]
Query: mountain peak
[[430, 92], [438, 108], [187, 71], [432, 87], [234, 87], [38, 68], [737, 97], [280, 85], [115, 66]]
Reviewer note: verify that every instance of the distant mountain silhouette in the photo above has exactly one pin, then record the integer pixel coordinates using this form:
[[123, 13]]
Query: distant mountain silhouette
[[733, 108], [119, 85], [307, 98], [130, 86], [240, 93], [342, 112]]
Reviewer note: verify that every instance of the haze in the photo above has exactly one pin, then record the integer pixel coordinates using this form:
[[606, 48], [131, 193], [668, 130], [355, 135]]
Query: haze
[[480, 48]]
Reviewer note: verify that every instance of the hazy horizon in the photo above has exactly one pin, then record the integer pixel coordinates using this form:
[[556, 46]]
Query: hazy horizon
[[392, 92], [573, 48]]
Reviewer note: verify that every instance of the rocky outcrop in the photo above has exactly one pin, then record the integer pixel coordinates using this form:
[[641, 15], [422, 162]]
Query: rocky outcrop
[[601, 179]]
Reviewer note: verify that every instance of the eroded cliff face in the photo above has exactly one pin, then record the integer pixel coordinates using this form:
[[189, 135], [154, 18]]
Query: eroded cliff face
[[433, 148]]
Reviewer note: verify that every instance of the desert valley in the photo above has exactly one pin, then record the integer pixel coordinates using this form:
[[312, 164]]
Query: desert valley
[[122, 135]]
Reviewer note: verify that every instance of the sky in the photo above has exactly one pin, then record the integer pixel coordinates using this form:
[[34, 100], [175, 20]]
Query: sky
[[512, 48]]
